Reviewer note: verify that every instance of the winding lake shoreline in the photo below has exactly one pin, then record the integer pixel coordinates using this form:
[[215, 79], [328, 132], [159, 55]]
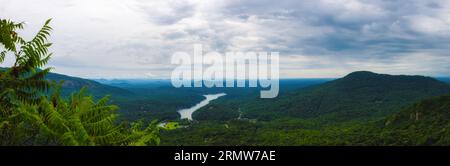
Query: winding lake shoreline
[[187, 113]]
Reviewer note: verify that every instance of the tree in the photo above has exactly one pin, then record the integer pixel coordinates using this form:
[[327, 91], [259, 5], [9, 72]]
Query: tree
[[24, 81], [29, 116]]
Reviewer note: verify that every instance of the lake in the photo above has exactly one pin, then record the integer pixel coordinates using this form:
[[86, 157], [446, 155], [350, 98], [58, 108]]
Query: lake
[[187, 113]]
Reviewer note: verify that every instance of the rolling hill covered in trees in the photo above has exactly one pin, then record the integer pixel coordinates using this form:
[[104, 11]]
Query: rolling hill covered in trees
[[70, 84], [352, 110], [362, 108], [136, 101], [358, 96], [423, 123]]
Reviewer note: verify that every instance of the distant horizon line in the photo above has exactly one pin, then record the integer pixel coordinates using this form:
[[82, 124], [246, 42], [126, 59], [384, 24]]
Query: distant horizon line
[[281, 78], [287, 78], [168, 79]]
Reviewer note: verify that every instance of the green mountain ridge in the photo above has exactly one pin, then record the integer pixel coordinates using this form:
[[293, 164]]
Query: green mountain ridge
[[146, 101], [71, 84], [406, 106], [359, 95]]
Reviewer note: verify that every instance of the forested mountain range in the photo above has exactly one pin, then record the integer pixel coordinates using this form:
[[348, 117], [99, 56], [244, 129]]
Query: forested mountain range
[[359, 95], [362, 108]]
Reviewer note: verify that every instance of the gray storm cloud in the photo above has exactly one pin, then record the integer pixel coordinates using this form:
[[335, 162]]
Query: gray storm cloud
[[326, 38]]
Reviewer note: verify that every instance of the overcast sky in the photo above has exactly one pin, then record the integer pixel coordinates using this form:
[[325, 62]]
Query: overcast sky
[[327, 38]]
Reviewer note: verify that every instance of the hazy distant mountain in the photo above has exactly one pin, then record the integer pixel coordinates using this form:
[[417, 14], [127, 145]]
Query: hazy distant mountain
[[358, 95]]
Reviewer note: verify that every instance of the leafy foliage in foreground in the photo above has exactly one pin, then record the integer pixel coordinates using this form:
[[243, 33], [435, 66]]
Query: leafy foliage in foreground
[[29, 116], [23, 82]]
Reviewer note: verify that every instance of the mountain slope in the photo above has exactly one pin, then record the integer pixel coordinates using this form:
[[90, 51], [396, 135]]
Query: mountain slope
[[357, 96], [426, 122], [153, 100], [71, 84]]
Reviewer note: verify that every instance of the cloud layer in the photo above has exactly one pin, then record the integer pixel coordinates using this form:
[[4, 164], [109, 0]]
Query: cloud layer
[[326, 38]]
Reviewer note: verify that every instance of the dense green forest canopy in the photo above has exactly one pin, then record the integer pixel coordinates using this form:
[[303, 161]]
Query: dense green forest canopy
[[426, 122], [352, 110]]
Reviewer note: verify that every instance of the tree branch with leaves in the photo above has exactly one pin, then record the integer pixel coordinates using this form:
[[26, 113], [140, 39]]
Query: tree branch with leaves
[[30, 116]]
